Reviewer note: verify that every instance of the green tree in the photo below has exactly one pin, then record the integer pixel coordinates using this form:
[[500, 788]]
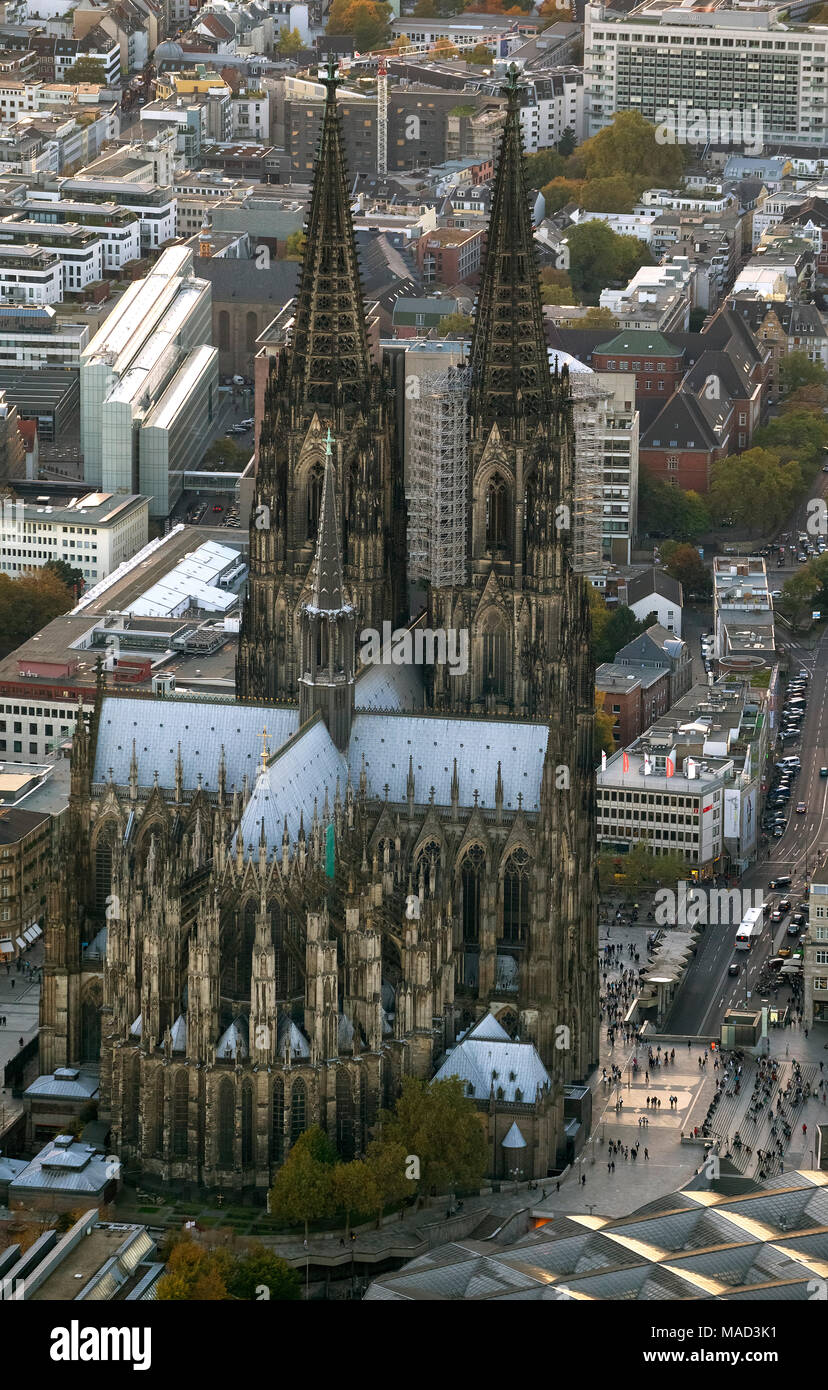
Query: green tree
[[194, 1274], [797, 370], [559, 192], [597, 257], [454, 323], [799, 435], [629, 146], [354, 1190], [684, 563], [616, 193], [386, 1160], [87, 70], [441, 1127], [72, 578], [295, 246], [622, 626], [259, 1267], [596, 317], [755, 489], [480, 54], [543, 166], [642, 869], [604, 724], [567, 143], [290, 42], [27, 604], [302, 1191], [668, 511], [798, 594], [599, 614]]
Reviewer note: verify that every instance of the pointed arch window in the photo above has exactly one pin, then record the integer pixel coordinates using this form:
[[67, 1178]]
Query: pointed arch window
[[516, 898], [495, 658], [277, 1122], [158, 1117], [315, 478], [247, 1123], [428, 860], [530, 502], [345, 1141], [497, 515], [181, 1116], [471, 879], [226, 1122], [298, 1110]]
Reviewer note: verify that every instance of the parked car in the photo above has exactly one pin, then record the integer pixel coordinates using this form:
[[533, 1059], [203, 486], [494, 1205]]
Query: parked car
[[784, 952]]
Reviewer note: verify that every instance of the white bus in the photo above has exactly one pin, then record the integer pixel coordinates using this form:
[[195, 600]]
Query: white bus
[[750, 928]]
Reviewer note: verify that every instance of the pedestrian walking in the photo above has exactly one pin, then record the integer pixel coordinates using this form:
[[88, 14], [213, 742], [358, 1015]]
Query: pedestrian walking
[[647, 1154]]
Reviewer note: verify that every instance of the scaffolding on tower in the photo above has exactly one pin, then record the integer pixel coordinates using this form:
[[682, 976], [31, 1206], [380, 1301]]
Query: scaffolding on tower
[[382, 118], [438, 479], [589, 413]]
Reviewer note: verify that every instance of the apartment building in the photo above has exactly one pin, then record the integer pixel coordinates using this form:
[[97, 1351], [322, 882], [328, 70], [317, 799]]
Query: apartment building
[[25, 864], [715, 60], [450, 255], [38, 338], [118, 228], [815, 954], [742, 609], [109, 180], [29, 275]]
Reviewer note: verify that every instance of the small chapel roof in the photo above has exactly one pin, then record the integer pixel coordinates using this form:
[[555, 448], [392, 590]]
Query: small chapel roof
[[514, 1139]]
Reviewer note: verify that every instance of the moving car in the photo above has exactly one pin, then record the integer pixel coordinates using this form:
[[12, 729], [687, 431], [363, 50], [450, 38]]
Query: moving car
[[780, 831], [784, 881], [784, 952], [823, 772], [776, 915], [793, 929], [733, 968], [784, 904], [801, 808]]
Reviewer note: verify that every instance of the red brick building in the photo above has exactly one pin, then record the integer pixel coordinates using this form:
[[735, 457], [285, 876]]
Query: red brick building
[[450, 255], [659, 365]]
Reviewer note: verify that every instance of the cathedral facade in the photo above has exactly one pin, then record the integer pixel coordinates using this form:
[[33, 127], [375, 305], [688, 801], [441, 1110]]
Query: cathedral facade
[[301, 895]]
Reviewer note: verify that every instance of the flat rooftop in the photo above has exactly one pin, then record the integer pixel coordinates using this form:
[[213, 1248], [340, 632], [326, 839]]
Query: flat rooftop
[[73, 1273]]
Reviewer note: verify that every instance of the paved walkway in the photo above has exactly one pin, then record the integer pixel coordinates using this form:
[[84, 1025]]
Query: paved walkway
[[19, 1006]]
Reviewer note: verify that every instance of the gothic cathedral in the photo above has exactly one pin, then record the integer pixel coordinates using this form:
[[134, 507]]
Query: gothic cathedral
[[230, 939]]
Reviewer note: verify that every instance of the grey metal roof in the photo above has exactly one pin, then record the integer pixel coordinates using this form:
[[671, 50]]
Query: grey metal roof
[[514, 1139], [433, 743], [60, 1168], [740, 1248], [485, 1063], [389, 687], [201, 727], [54, 1087], [300, 775]]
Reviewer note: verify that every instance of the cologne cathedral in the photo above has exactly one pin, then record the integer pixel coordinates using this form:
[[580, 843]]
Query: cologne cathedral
[[310, 891]]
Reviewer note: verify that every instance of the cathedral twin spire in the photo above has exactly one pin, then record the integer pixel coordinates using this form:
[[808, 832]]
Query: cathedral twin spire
[[329, 360], [509, 358]]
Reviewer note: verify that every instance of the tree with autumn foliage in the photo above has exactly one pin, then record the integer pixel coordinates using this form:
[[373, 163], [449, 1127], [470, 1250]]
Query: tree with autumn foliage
[[27, 604], [194, 1274], [629, 147], [367, 21], [604, 724]]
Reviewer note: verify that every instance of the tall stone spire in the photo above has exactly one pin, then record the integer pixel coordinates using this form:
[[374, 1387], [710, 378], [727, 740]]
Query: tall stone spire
[[328, 626], [510, 364], [326, 576], [330, 362]]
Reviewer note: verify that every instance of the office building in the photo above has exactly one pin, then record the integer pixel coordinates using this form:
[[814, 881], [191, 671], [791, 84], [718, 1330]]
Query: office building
[[662, 57], [94, 532], [148, 368]]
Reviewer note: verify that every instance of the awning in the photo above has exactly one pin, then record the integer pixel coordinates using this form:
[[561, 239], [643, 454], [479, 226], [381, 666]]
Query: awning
[[21, 943], [7, 945], [29, 936]]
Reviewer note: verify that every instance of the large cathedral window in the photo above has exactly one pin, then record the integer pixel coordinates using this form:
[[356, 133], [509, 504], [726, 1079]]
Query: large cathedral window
[[277, 1122], [226, 1122], [247, 1123], [298, 1110], [495, 658], [529, 523], [315, 478], [516, 898], [181, 1115], [471, 879], [158, 1116], [428, 861], [344, 1115], [497, 515]]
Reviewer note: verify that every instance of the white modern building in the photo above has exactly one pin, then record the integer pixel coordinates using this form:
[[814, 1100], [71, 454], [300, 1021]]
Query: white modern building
[[153, 204], [661, 55], [80, 250], [93, 532], [550, 106], [682, 813], [605, 516], [119, 228], [742, 608], [148, 368], [37, 337], [29, 275]]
